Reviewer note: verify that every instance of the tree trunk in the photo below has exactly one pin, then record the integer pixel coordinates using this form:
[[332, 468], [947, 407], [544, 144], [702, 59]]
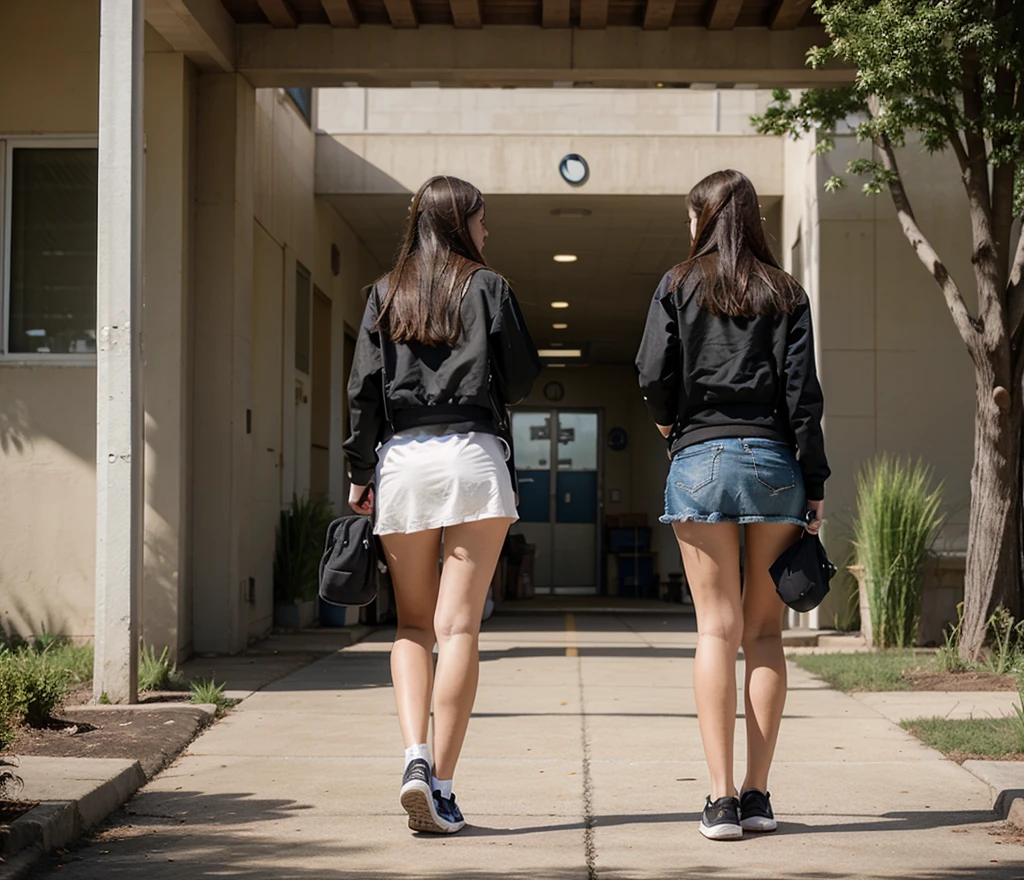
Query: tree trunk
[[992, 577]]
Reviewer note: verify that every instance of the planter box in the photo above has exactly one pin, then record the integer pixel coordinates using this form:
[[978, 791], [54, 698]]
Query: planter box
[[943, 591], [295, 615], [337, 615]]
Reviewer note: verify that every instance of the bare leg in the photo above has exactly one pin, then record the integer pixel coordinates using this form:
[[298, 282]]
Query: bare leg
[[414, 572], [765, 691], [711, 556], [471, 552]]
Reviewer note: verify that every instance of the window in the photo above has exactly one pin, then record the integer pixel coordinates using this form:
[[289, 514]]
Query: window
[[303, 100], [49, 239], [303, 304]]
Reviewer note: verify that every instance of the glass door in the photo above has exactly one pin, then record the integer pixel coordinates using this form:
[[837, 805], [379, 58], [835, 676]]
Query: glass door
[[557, 464]]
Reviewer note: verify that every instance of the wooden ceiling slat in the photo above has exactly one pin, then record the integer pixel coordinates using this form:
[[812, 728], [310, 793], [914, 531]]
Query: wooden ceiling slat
[[556, 13], [279, 13], [466, 13], [341, 13], [724, 14], [401, 13], [788, 13], [594, 14], [658, 14]]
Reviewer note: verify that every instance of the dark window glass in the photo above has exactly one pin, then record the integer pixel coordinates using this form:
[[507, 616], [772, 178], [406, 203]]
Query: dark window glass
[[53, 251], [303, 303], [303, 99]]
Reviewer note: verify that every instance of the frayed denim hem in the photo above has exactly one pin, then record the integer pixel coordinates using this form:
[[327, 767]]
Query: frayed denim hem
[[724, 518]]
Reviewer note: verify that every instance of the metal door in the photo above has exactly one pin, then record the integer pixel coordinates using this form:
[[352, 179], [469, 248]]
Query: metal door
[[559, 495]]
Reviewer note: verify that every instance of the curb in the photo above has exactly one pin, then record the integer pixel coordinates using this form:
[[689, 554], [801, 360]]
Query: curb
[[56, 823], [1005, 780], [53, 824]]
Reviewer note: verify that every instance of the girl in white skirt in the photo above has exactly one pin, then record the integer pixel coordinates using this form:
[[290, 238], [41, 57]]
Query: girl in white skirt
[[442, 352]]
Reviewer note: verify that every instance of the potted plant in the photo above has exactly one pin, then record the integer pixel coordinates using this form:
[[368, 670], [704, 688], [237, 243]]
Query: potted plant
[[898, 517], [300, 541]]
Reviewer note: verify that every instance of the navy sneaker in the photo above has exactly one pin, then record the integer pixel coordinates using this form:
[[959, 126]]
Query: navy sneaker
[[449, 813], [756, 810], [424, 805], [721, 819]]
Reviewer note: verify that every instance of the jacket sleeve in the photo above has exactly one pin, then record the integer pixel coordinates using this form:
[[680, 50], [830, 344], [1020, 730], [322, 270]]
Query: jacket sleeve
[[805, 402], [659, 357], [365, 399], [514, 351]]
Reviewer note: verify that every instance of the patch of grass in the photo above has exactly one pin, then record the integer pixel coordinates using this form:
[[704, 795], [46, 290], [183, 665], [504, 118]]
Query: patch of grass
[[877, 671], [208, 691], [963, 738], [76, 659], [157, 673]]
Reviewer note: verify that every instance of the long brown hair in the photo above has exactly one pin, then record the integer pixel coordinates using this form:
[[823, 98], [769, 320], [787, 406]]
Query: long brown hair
[[436, 258], [741, 276]]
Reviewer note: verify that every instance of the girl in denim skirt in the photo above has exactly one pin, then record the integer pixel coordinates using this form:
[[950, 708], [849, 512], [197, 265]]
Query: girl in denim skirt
[[727, 370]]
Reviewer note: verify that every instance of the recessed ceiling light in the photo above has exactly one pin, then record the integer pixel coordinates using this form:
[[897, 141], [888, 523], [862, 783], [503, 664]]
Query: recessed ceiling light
[[560, 353], [559, 305], [565, 258], [556, 366], [560, 326]]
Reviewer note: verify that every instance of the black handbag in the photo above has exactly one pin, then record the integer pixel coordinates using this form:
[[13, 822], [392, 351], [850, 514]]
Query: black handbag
[[352, 565], [802, 573]]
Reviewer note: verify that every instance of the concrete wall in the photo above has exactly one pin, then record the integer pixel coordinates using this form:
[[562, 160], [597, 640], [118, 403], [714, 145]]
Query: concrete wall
[[895, 374], [536, 111]]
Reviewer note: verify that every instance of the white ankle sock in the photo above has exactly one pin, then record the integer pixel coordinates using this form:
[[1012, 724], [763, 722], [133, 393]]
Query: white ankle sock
[[442, 785], [418, 751]]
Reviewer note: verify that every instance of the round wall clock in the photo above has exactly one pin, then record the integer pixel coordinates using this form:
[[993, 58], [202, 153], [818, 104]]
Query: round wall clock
[[554, 391], [618, 439]]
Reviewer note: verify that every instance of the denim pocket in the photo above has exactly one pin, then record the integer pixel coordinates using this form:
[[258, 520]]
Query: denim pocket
[[696, 468], [773, 464]]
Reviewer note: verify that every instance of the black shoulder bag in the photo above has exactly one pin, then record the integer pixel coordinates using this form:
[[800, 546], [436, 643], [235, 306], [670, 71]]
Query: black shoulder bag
[[352, 569]]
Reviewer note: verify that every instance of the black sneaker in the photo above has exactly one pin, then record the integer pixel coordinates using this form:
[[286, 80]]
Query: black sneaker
[[721, 819], [756, 810]]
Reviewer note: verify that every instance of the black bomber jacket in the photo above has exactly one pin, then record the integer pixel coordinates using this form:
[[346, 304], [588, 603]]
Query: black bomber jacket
[[464, 387], [712, 377]]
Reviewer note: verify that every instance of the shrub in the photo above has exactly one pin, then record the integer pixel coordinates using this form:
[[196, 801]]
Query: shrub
[[300, 542], [897, 520], [32, 688]]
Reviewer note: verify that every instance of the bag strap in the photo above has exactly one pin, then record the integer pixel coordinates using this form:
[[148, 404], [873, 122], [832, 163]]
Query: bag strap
[[383, 363]]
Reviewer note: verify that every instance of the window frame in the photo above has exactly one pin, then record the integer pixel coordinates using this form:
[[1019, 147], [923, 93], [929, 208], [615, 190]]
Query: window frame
[[8, 144]]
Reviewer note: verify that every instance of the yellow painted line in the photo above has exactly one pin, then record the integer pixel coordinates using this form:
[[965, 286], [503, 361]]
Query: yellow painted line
[[570, 629]]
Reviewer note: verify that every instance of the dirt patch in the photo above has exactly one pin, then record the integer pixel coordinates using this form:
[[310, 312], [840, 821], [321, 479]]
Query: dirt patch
[[960, 757], [923, 680], [10, 810], [153, 738]]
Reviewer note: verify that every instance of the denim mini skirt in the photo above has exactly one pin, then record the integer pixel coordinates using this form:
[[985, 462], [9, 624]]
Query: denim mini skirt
[[735, 481]]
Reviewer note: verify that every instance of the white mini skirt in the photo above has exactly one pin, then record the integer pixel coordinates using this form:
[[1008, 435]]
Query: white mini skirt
[[427, 480]]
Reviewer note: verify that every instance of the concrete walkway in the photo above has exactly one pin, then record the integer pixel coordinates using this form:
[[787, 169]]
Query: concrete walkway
[[583, 760]]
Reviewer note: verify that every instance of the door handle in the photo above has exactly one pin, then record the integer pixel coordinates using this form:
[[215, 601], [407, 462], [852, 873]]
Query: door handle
[[526, 480], [568, 497]]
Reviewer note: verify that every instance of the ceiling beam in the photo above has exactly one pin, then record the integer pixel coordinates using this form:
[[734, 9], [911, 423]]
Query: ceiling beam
[[279, 13], [401, 13], [556, 13], [593, 14], [723, 14], [466, 13], [658, 14], [202, 30], [341, 13], [524, 55], [788, 13]]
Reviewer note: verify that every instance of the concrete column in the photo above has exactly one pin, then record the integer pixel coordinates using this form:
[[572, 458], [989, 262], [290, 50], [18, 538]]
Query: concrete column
[[167, 614], [223, 362], [119, 422]]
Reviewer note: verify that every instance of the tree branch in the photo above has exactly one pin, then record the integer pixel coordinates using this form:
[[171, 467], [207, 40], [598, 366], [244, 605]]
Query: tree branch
[[925, 252]]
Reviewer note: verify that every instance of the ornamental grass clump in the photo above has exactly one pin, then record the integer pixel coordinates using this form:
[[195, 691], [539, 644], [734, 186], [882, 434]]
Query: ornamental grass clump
[[898, 516]]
